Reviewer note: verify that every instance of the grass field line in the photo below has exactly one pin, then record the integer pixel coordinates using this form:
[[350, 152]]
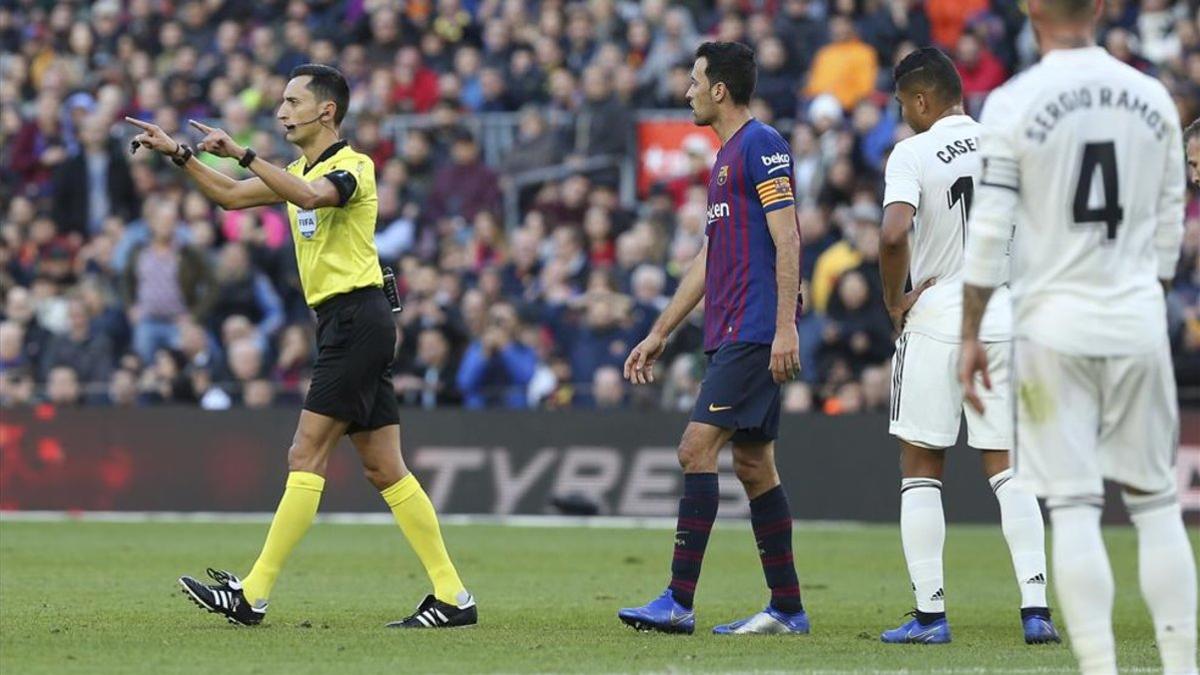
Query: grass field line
[[526, 521]]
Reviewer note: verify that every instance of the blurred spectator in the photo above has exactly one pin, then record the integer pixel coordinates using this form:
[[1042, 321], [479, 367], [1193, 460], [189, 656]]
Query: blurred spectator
[[496, 368], [1120, 43], [243, 291], [608, 388], [93, 183], [164, 281], [430, 382], [846, 67], [40, 147], [603, 125], [797, 397], [20, 311], [537, 145], [12, 355], [980, 70], [466, 186], [122, 389], [856, 334], [948, 18], [62, 386], [16, 387], [258, 393], [87, 353]]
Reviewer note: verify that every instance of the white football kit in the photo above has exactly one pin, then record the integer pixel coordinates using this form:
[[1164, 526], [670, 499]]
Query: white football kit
[[937, 173], [1086, 153]]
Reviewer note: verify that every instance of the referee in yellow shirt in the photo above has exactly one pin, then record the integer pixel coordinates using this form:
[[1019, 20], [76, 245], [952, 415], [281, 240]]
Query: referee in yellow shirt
[[332, 205]]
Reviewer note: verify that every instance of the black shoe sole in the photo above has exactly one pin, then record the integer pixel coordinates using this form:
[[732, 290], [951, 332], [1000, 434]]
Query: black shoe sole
[[647, 627], [1046, 641], [187, 592]]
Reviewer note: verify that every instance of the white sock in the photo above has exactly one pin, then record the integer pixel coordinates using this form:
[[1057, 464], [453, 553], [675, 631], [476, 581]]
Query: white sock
[[1167, 572], [923, 533], [1021, 521], [1084, 581]]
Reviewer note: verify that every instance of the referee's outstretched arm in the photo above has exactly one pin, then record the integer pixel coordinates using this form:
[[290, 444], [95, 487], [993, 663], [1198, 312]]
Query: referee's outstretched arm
[[316, 194], [228, 193]]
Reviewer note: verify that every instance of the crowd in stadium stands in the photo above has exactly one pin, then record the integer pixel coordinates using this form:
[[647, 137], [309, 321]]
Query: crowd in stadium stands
[[123, 286]]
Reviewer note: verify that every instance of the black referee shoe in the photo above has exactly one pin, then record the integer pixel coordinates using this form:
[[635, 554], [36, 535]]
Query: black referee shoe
[[226, 598], [433, 613]]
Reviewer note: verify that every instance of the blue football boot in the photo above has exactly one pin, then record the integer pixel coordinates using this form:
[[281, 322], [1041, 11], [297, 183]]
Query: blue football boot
[[1039, 629], [770, 621], [912, 632], [662, 614]]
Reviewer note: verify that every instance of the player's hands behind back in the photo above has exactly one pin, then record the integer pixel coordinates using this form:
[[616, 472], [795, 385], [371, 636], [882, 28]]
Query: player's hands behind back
[[785, 355], [639, 367], [972, 361]]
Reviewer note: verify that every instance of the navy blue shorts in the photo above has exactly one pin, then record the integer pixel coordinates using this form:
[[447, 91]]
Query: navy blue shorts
[[739, 393]]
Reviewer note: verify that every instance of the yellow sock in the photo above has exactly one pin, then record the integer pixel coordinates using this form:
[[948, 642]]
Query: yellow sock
[[414, 513], [296, 511]]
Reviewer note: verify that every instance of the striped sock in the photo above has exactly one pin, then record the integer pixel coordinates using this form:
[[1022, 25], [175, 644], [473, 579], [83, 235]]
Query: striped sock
[[771, 518], [697, 511]]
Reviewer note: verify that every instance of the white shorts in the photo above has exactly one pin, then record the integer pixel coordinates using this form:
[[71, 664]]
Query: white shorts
[[927, 400], [1082, 419]]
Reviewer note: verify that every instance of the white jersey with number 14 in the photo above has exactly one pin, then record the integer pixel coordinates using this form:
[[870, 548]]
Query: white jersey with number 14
[[936, 172]]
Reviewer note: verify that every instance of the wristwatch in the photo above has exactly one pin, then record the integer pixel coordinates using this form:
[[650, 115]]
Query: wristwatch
[[182, 154], [247, 158]]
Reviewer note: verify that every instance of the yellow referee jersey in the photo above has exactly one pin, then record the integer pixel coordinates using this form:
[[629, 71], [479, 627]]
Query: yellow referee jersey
[[335, 245]]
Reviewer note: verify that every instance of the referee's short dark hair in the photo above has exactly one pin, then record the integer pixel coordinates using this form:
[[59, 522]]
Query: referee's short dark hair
[[929, 68], [328, 84], [733, 64]]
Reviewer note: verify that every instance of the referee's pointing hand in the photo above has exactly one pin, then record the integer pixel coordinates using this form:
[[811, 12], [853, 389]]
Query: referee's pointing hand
[[217, 141], [152, 137]]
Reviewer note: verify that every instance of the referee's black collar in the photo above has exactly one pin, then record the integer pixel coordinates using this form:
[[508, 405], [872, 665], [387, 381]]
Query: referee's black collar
[[329, 152]]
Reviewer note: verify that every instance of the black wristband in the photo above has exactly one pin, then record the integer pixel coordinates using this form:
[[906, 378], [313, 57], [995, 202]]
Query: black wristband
[[247, 158], [182, 155]]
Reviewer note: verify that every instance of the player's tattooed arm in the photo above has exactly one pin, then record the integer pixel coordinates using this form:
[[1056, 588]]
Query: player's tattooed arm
[[894, 260], [973, 357], [785, 350], [639, 366]]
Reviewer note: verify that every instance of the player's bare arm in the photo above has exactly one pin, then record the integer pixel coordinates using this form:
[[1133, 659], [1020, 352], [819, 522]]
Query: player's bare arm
[[228, 193], [894, 259], [639, 366], [973, 358], [785, 349], [316, 194]]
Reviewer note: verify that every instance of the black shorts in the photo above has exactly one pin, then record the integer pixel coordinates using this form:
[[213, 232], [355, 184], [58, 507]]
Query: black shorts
[[352, 377], [739, 393]]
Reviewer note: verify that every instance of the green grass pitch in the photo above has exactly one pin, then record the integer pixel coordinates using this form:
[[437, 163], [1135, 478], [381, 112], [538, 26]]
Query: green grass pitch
[[88, 597]]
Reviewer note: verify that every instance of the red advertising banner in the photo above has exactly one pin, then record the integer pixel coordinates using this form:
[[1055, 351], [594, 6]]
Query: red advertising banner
[[664, 146]]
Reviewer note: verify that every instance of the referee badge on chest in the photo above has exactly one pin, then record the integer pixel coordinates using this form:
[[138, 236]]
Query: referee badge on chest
[[723, 175], [306, 222]]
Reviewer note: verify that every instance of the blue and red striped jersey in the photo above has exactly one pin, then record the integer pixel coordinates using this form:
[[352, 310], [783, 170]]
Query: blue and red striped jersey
[[752, 177]]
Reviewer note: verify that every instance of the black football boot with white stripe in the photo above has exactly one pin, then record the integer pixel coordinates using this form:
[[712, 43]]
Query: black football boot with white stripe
[[225, 598], [433, 613]]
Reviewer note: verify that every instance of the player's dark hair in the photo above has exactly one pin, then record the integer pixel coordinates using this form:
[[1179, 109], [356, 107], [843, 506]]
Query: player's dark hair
[[733, 64], [327, 84], [1191, 131], [929, 69], [1070, 9]]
